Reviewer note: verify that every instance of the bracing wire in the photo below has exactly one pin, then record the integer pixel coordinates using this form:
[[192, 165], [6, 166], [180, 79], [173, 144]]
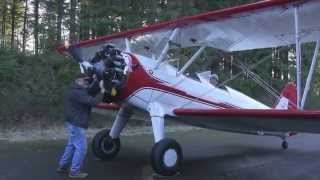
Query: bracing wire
[[260, 81], [250, 67]]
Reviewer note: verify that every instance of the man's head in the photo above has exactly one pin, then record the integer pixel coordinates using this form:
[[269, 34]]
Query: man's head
[[90, 83]]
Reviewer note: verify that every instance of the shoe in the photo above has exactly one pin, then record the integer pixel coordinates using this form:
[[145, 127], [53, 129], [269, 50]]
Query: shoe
[[62, 170], [78, 174]]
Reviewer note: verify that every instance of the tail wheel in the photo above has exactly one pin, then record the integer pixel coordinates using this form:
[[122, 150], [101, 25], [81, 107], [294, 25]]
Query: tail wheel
[[104, 147], [166, 157], [284, 145]]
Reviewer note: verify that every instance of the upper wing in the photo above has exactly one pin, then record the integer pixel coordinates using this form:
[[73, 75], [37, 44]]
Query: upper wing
[[252, 120], [263, 24]]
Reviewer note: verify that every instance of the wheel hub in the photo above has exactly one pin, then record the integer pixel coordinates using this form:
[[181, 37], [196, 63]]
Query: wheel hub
[[107, 145], [170, 157]]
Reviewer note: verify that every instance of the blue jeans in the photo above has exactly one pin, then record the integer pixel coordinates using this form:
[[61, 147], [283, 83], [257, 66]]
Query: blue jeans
[[76, 149]]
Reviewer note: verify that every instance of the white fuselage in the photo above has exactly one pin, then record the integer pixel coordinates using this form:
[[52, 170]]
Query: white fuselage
[[162, 85]]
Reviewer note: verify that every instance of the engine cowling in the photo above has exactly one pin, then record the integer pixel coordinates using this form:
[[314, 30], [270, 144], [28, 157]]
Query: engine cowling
[[111, 67]]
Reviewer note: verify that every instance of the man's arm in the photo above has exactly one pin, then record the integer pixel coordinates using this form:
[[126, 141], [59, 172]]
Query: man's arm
[[84, 98], [74, 52]]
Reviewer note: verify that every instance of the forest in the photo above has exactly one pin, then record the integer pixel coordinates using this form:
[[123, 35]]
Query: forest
[[34, 76]]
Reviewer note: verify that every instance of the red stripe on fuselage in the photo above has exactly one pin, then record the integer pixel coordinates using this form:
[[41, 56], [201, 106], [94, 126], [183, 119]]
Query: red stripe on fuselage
[[139, 79], [167, 92]]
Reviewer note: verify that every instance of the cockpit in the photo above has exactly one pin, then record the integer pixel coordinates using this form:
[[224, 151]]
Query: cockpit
[[208, 78]]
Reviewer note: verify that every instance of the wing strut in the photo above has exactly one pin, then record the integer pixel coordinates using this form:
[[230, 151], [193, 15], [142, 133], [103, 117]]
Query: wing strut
[[167, 47], [310, 75], [298, 55], [128, 49], [191, 60]]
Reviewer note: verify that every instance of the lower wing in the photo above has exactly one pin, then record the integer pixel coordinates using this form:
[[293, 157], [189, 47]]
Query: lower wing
[[250, 120]]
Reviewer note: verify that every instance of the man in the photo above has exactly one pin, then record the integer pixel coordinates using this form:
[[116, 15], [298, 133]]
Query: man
[[78, 109]]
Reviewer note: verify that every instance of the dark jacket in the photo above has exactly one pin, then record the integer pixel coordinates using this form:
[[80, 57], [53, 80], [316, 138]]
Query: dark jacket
[[78, 105]]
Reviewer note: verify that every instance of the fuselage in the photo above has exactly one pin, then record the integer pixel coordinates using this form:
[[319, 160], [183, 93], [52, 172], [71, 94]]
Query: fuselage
[[147, 84]]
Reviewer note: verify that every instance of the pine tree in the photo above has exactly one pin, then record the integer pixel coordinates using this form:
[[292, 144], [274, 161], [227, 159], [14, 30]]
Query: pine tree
[[3, 23], [72, 29], [36, 26], [60, 13], [24, 30]]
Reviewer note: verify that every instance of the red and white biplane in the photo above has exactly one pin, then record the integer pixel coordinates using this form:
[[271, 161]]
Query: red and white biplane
[[139, 75]]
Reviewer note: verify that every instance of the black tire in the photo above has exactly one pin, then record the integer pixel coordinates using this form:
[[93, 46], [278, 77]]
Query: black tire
[[104, 147], [284, 145], [159, 155]]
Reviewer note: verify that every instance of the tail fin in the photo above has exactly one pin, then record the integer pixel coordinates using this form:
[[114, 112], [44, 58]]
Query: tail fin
[[288, 98]]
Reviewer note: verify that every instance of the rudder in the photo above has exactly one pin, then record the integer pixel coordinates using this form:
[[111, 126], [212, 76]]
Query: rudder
[[288, 99]]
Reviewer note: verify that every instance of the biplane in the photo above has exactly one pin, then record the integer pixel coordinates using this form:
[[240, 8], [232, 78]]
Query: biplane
[[137, 76]]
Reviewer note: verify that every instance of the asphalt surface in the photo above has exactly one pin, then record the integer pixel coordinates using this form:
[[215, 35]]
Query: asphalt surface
[[207, 155]]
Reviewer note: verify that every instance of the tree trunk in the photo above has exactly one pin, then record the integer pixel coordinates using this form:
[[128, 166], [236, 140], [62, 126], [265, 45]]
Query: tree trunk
[[72, 35], [59, 20], [285, 61], [13, 22], [24, 35], [4, 19], [36, 26], [49, 40], [84, 20]]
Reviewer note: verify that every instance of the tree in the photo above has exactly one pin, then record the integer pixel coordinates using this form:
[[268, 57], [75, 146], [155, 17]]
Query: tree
[[25, 31], [72, 29], [4, 21], [16, 16], [59, 19], [36, 26], [48, 26], [84, 20], [13, 22]]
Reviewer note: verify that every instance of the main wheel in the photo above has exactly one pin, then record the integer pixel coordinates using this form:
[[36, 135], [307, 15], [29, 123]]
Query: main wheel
[[104, 147], [166, 157]]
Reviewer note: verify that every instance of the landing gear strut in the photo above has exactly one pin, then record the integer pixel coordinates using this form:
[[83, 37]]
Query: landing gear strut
[[106, 143]]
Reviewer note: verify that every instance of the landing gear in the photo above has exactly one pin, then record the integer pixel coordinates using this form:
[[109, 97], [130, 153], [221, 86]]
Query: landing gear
[[282, 135], [104, 147], [284, 145], [166, 157], [106, 143]]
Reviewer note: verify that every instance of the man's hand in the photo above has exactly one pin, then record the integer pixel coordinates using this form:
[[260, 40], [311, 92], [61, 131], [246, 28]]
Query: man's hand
[[66, 44], [94, 87], [102, 89]]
